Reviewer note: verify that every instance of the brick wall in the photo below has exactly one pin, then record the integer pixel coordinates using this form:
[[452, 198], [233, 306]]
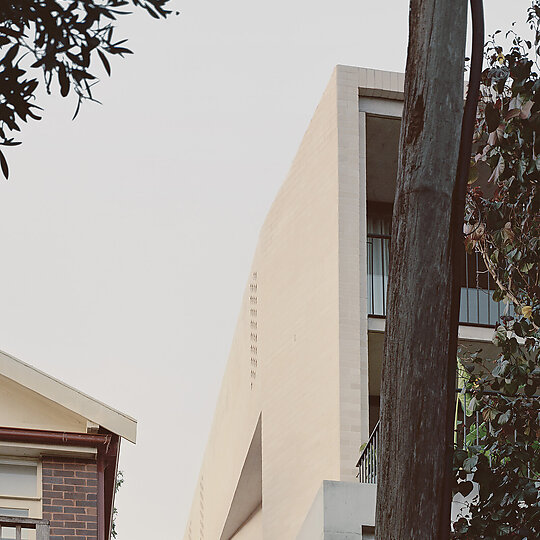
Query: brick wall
[[70, 498]]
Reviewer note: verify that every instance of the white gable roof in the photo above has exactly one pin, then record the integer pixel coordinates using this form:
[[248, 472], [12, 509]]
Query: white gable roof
[[68, 397]]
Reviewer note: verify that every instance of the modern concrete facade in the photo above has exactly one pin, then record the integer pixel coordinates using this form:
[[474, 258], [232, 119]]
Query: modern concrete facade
[[300, 392]]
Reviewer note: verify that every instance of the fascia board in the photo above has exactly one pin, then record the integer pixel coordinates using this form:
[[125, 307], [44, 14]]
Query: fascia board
[[68, 397]]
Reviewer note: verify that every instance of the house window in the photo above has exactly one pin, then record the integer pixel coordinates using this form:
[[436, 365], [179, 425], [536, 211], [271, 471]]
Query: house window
[[18, 479], [9, 533], [20, 493]]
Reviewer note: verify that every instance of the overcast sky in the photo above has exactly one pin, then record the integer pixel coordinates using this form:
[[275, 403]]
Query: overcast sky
[[127, 235]]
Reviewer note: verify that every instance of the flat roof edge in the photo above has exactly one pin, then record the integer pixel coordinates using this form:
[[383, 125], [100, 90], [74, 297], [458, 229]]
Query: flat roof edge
[[374, 82]]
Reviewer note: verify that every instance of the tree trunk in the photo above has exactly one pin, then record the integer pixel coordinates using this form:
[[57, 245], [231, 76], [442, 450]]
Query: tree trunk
[[418, 378]]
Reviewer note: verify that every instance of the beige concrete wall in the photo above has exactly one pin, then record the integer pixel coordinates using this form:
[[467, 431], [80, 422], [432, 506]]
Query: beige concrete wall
[[299, 353], [353, 82], [299, 275], [234, 423], [354, 394], [252, 530], [340, 511], [23, 408]]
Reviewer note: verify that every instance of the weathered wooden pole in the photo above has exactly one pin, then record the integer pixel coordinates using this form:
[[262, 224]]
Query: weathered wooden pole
[[418, 378]]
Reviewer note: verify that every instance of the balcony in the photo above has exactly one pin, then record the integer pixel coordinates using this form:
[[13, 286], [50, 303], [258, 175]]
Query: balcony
[[467, 430], [16, 525], [477, 307], [367, 464]]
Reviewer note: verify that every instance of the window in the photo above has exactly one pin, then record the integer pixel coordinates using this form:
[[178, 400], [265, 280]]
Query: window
[[20, 493], [8, 533], [378, 259], [477, 305]]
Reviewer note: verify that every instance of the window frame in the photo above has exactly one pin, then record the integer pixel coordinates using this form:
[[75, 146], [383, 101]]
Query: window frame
[[21, 502]]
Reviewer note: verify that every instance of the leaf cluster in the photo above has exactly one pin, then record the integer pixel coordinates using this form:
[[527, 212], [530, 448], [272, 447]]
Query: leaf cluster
[[61, 38], [501, 454], [505, 228], [501, 459], [117, 485]]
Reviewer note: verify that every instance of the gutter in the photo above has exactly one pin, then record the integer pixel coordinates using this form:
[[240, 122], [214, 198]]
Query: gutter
[[108, 447], [55, 437]]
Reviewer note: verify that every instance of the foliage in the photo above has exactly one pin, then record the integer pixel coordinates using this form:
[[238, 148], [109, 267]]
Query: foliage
[[503, 225], [61, 38], [117, 486]]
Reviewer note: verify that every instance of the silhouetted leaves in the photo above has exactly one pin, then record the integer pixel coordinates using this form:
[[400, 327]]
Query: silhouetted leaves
[[3, 163], [493, 118], [60, 38], [105, 62], [504, 461]]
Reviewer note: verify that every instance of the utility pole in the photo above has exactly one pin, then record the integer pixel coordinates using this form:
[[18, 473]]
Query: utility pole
[[418, 378]]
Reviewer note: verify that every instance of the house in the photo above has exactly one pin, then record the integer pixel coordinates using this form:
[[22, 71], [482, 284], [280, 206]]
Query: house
[[59, 453], [300, 394]]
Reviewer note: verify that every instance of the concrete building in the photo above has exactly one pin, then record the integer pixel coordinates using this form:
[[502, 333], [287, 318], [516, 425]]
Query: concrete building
[[300, 394], [59, 453]]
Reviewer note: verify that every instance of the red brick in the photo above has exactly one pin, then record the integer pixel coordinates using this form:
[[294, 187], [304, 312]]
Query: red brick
[[48, 480], [74, 510], [87, 518], [75, 497], [49, 508], [75, 524], [76, 481], [65, 532], [63, 473], [63, 487], [86, 474], [86, 489], [52, 465], [70, 494], [63, 517]]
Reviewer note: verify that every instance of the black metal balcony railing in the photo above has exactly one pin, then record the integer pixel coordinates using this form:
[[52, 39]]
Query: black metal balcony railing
[[469, 427], [367, 464], [466, 433], [477, 304], [18, 524]]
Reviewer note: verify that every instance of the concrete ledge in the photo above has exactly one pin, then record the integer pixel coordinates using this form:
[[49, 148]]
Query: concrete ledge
[[339, 511], [482, 334]]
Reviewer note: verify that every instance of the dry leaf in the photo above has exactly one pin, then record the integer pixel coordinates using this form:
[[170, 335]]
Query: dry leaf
[[526, 110]]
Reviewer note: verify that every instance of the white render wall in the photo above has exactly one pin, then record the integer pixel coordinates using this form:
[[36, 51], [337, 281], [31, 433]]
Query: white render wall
[[304, 311], [23, 408]]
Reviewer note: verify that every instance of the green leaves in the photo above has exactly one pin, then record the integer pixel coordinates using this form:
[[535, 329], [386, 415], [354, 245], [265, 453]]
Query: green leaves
[[470, 463], [501, 437], [504, 417]]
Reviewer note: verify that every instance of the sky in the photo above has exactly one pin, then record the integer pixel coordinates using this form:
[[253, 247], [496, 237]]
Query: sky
[[127, 235]]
